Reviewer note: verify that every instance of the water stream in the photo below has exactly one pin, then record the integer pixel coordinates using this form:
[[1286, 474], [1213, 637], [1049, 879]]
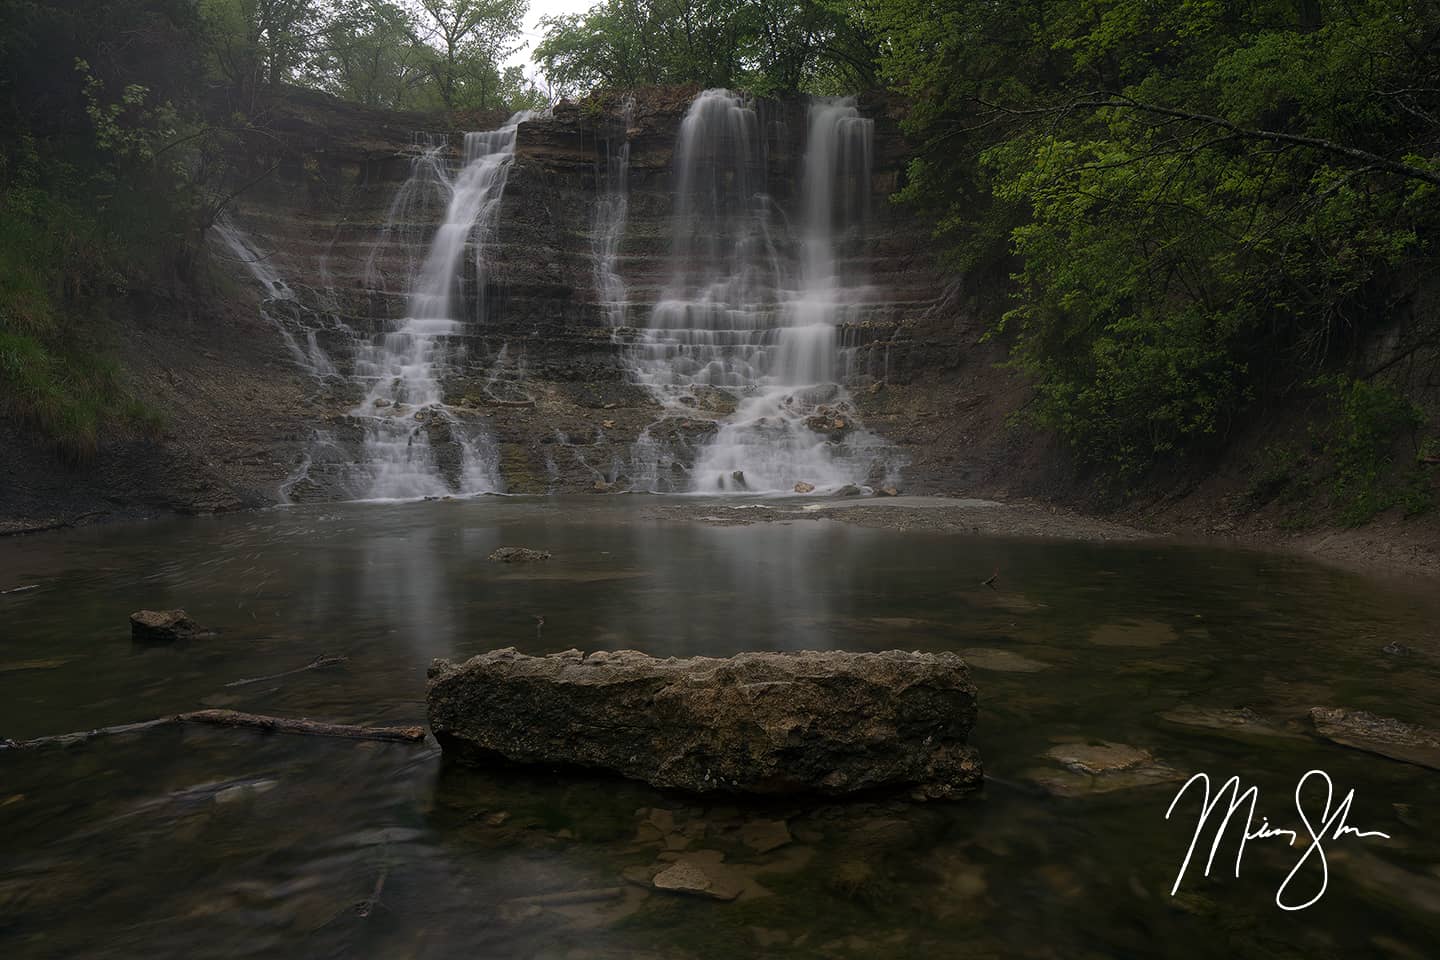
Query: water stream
[[752, 309], [203, 843], [403, 410]]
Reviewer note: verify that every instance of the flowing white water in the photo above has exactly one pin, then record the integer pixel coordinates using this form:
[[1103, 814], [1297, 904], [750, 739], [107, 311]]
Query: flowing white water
[[747, 313], [279, 304], [403, 410], [608, 224]]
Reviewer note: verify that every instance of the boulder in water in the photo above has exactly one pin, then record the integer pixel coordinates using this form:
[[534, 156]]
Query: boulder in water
[[519, 555], [760, 723], [803, 487], [162, 626]]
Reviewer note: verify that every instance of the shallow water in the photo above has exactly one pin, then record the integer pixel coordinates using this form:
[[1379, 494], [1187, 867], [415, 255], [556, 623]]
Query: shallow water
[[199, 843]]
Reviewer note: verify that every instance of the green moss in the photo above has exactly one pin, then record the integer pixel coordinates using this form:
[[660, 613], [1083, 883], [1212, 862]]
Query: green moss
[[58, 267]]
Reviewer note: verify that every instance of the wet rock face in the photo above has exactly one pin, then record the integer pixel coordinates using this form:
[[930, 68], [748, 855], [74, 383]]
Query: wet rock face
[[537, 362], [762, 723]]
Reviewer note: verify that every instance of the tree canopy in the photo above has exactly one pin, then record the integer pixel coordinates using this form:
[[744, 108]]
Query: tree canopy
[[765, 46], [1200, 201]]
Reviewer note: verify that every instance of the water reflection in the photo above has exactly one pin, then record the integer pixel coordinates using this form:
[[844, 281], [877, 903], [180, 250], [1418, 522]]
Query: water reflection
[[208, 843]]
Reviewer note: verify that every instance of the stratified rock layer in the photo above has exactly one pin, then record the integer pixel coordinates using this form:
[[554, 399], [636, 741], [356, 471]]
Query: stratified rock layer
[[764, 723]]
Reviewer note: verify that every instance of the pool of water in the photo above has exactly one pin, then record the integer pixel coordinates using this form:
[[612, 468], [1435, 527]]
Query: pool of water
[[191, 842]]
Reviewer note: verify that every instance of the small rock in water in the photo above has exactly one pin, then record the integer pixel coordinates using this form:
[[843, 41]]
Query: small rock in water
[[1396, 649], [1384, 736], [738, 477], [519, 555], [162, 626], [1002, 661], [803, 487], [762, 836], [1101, 767], [602, 486], [1242, 721], [849, 490], [690, 876], [1098, 758], [888, 492]]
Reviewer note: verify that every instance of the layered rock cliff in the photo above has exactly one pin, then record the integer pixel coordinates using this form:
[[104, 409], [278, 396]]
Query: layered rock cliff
[[539, 363], [255, 372]]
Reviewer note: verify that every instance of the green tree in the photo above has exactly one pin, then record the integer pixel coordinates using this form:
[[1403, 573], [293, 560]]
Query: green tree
[[370, 51], [762, 45], [473, 37], [258, 44], [1199, 202]]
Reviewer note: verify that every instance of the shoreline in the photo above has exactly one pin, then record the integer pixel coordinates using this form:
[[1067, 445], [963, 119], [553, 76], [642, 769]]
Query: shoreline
[[1384, 550]]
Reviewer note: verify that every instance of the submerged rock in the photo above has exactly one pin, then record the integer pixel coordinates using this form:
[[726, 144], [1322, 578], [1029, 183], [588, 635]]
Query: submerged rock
[[687, 876], [1385, 736], [763, 723], [1003, 661], [1240, 722], [1101, 767], [162, 626], [519, 555]]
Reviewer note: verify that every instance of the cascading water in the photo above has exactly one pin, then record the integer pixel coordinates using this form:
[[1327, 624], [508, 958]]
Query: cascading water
[[744, 312], [608, 224], [279, 304], [403, 410]]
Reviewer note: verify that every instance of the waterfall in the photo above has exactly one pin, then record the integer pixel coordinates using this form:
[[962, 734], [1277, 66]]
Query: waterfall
[[608, 224], [746, 312], [279, 304], [403, 410]]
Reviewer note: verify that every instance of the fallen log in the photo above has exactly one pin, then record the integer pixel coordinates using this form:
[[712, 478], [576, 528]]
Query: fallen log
[[231, 718]]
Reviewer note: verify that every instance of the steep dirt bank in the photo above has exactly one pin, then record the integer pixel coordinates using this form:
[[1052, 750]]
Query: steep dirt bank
[[227, 398]]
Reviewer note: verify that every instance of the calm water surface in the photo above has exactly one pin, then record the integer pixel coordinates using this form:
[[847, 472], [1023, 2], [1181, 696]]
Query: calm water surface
[[208, 843]]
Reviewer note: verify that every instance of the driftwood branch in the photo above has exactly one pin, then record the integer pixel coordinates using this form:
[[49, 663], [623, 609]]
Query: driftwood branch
[[231, 718], [315, 664]]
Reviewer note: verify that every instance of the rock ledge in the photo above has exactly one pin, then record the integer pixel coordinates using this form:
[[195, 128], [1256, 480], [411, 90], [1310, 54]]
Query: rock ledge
[[763, 723]]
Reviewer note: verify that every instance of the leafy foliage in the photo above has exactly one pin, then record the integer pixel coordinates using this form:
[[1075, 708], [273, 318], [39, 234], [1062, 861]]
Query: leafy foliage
[[1370, 442], [1194, 198], [765, 46]]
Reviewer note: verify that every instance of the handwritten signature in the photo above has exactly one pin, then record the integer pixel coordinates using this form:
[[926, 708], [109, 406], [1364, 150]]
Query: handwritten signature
[[1331, 825]]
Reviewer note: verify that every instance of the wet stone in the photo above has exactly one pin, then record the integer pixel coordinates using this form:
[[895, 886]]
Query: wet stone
[[1242, 721], [1101, 767], [518, 555], [689, 877], [162, 626], [1001, 661], [762, 836], [1383, 736]]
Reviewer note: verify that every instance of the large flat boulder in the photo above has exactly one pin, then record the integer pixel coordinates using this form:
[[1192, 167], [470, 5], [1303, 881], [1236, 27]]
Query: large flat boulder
[[763, 723]]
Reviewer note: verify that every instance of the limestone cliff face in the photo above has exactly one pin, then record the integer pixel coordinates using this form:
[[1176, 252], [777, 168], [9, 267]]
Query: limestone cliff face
[[539, 364]]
